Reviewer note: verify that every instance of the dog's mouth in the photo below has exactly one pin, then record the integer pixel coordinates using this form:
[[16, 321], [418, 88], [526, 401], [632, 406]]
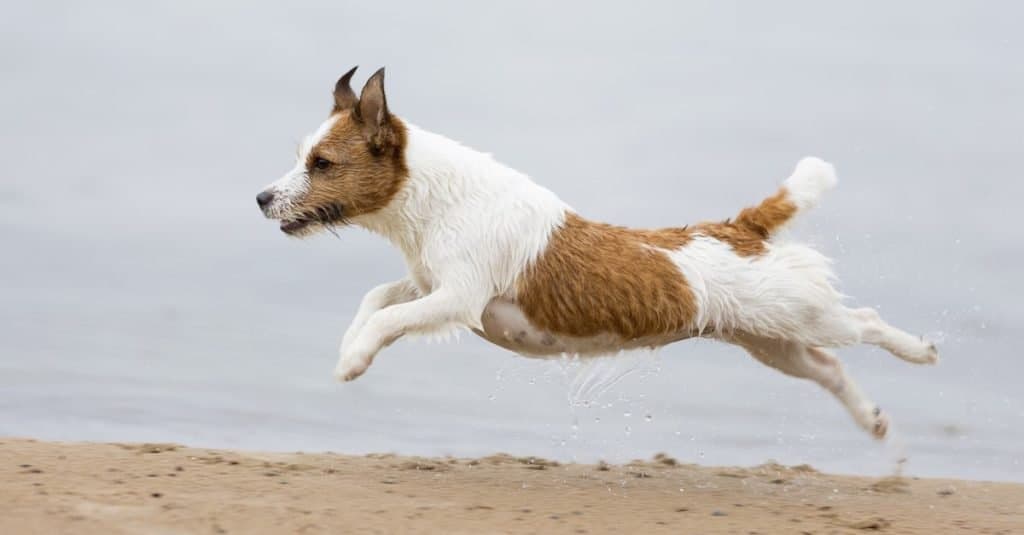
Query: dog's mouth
[[325, 216], [294, 226]]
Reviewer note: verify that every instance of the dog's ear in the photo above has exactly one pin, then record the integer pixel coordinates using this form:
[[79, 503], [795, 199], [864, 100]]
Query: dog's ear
[[344, 97], [373, 112]]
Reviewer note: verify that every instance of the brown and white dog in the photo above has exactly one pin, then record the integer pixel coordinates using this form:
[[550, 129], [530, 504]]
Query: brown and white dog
[[489, 250]]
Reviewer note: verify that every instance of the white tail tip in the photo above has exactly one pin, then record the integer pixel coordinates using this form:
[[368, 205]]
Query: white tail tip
[[811, 178]]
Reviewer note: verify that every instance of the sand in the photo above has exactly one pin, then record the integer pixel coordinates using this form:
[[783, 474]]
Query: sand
[[84, 488]]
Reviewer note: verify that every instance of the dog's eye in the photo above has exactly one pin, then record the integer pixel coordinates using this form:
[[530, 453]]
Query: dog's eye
[[321, 163]]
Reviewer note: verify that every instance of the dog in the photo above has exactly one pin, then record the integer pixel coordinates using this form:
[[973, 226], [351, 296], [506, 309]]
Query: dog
[[489, 250]]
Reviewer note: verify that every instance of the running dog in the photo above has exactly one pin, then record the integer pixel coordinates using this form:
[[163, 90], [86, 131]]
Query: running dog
[[490, 250]]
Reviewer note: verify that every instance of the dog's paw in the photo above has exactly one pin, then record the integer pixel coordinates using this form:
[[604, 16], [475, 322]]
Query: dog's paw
[[353, 363], [921, 351], [345, 373], [930, 355], [880, 427]]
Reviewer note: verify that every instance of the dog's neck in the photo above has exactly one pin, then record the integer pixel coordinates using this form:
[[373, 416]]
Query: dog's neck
[[442, 174], [455, 197]]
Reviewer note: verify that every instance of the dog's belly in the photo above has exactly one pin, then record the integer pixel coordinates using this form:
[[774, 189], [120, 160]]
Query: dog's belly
[[505, 324]]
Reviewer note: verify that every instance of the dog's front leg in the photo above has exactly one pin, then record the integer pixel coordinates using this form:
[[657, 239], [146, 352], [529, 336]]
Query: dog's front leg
[[428, 314], [385, 295]]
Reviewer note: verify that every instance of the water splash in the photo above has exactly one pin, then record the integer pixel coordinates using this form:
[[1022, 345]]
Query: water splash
[[591, 378]]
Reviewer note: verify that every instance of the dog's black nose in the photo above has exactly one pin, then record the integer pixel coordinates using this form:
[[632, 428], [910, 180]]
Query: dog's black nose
[[264, 198]]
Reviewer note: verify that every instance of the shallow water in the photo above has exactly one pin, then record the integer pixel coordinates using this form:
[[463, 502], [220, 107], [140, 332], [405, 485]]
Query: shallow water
[[142, 296]]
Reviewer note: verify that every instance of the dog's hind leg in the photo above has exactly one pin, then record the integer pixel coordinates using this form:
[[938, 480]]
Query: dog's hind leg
[[875, 331], [838, 326], [822, 367]]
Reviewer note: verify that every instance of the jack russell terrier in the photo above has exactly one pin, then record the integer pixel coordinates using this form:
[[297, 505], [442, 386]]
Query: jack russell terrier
[[490, 250]]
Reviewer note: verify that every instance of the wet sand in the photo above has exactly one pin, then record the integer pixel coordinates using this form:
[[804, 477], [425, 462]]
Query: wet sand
[[84, 488]]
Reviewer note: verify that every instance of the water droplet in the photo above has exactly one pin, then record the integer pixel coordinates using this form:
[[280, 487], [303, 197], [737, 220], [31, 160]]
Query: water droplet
[[648, 418], [629, 430], [597, 419], [491, 397], [627, 414]]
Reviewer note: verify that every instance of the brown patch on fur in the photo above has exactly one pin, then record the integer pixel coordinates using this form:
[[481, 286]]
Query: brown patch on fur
[[743, 240], [769, 216], [749, 233], [596, 278], [361, 177]]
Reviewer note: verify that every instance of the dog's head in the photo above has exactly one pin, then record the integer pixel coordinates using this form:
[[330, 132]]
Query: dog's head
[[352, 165]]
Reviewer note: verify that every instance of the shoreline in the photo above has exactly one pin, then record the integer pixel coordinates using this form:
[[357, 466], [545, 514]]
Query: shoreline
[[84, 487]]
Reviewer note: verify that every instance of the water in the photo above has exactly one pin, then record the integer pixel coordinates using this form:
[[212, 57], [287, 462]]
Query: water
[[142, 296]]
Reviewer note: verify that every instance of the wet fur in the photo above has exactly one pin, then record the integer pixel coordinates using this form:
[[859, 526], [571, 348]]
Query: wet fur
[[490, 250]]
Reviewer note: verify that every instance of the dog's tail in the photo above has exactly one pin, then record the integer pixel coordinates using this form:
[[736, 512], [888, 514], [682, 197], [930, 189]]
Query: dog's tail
[[799, 193]]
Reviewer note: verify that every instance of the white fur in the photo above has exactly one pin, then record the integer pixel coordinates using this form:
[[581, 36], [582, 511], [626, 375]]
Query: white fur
[[811, 178], [469, 226], [465, 220], [773, 294], [292, 187]]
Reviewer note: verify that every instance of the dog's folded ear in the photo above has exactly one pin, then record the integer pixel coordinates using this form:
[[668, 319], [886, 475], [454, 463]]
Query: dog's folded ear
[[372, 112], [344, 97]]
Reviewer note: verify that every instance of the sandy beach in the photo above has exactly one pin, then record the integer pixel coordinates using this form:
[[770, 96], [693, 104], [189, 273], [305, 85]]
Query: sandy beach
[[51, 487]]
